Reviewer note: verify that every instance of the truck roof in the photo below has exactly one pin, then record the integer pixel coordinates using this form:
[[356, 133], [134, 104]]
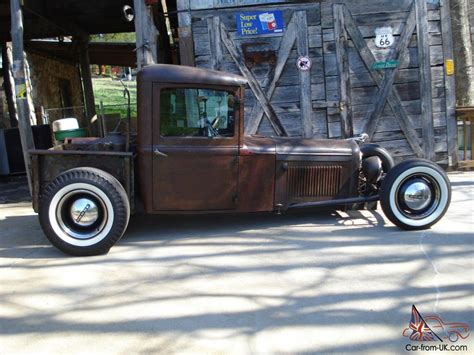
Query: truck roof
[[180, 74]]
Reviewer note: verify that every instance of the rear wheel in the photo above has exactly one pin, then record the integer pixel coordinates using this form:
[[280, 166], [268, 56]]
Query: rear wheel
[[84, 212], [415, 194]]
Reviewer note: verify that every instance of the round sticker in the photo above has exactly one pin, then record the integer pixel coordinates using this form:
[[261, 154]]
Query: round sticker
[[304, 63]]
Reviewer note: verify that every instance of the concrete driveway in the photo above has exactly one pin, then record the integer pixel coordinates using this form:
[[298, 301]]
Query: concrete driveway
[[326, 282]]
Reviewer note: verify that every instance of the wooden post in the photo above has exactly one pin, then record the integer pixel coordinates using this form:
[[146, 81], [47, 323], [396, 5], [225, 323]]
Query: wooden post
[[214, 30], [186, 43], [19, 75], [342, 49], [450, 82], [8, 85], [162, 24], [425, 79], [146, 35], [305, 76], [86, 76], [463, 50]]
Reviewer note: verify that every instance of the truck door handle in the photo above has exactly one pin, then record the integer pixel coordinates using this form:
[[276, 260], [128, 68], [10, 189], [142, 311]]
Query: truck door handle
[[157, 152]]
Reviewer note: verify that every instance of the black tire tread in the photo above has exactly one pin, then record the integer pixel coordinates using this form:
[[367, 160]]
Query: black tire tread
[[106, 182]]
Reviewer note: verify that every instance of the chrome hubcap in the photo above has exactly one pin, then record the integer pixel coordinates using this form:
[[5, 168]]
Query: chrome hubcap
[[84, 212], [81, 214], [417, 195]]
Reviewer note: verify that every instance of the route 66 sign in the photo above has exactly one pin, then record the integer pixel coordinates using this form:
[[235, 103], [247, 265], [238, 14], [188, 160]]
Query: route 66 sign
[[384, 37]]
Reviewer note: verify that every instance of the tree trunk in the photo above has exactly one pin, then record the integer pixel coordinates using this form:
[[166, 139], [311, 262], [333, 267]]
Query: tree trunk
[[463, 52]]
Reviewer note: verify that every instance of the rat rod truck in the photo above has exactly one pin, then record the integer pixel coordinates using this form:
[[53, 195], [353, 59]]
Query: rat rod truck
[[191, 156]]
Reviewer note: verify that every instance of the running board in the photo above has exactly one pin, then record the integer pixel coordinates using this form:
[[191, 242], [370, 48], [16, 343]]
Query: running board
[[339, 202]]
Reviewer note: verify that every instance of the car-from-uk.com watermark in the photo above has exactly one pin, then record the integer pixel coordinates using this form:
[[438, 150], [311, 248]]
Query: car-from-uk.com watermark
[[432, 333]]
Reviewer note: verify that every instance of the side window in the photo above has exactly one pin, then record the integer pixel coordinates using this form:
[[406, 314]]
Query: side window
[[196, 113]]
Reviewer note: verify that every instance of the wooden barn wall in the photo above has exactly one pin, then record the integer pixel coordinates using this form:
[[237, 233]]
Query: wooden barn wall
[[325, 115], [471, 24]]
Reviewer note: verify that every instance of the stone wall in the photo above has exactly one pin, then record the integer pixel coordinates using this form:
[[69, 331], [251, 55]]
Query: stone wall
[[52, 80]]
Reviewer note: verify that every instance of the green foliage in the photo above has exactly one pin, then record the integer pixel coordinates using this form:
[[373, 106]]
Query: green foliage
[[125, 37], [110, 92]]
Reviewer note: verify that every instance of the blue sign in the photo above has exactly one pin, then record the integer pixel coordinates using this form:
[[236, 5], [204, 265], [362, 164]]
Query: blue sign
[[259, 23]]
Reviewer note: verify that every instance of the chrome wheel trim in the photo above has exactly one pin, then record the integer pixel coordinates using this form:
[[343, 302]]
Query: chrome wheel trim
[[85, 211], [80, 224], [417, 194], [433, 213], [60, 207]]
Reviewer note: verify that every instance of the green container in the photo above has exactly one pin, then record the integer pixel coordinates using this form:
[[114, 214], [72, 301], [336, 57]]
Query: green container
[[70, 133]]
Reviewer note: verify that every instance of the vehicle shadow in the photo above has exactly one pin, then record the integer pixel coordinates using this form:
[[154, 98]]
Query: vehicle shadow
[[262, 280]]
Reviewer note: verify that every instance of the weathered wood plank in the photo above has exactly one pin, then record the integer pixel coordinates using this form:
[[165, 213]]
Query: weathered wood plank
[[186, 41], [393, 98], [222, 4], [434, 40], [146, 35], [425, 78], [227, 15], [215, 43], [305, 76], [411, 108], [450, 85], [347, 129], [389, 123], [87, 85], [368, 32], [253, 83]]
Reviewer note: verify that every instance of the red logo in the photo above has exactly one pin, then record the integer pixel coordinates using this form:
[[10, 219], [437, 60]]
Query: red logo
[[433, 328]]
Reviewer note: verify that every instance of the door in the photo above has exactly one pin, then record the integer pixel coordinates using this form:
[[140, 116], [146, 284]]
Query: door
[[195, 159], [280, 92], [385, 83]]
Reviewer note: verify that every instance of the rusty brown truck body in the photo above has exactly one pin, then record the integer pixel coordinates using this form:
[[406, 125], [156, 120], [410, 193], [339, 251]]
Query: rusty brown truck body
[[192, 156]]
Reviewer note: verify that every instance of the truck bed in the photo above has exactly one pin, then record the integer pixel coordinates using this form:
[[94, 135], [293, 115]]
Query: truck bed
[[46, 165]]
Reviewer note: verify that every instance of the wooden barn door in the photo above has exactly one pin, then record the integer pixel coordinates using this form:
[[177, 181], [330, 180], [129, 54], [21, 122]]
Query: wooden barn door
[[386, 99], [280, 97]]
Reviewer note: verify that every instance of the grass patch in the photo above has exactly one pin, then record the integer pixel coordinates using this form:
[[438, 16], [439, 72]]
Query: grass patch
[[110, 92]]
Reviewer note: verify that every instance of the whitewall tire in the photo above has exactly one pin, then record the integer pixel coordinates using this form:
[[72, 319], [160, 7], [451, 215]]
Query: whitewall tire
[[84, 211], [415, 194]]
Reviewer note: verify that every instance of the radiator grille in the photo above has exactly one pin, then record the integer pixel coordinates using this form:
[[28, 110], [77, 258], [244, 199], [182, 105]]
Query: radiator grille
[[306, 180]]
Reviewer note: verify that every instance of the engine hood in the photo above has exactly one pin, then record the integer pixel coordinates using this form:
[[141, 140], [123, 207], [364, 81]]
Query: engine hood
[[316, 147]]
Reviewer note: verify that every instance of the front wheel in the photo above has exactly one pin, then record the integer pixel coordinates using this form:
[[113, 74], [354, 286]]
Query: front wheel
[[415, 194], [84, 211]]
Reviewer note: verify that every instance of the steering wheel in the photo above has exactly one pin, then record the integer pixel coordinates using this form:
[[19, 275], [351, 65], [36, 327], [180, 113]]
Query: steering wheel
[[213, 127]]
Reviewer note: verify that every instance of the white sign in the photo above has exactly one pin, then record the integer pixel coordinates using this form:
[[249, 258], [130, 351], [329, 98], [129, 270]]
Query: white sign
[[384, 37], [304, 63]]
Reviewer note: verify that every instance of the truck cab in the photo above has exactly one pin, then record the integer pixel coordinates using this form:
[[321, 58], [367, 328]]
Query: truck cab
[[194, 156]]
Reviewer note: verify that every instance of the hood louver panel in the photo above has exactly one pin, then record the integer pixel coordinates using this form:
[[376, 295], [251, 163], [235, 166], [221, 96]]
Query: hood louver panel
[[310, 180]]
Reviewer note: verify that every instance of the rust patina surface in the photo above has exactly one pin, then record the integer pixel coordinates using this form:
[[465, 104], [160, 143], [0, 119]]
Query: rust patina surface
[[232, 174]]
